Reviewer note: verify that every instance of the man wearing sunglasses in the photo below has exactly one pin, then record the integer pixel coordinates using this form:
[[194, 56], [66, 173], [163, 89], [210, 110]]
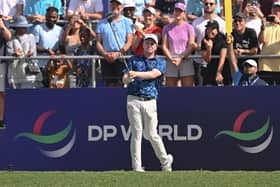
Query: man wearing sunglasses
[[199, 27], [250, 77], [245, 40]]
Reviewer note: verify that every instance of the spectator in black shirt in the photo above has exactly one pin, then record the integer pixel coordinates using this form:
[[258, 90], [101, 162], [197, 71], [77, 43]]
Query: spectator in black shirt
[[245, 40], [217, 72]]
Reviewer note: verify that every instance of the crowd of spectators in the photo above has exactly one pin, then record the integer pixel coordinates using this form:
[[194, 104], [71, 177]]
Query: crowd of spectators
[[183, 27]]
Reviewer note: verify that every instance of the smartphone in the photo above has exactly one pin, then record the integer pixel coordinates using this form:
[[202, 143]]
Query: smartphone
[[270, 18]]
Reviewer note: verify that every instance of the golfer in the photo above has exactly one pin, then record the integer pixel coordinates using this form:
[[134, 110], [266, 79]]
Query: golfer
[[143, 79]]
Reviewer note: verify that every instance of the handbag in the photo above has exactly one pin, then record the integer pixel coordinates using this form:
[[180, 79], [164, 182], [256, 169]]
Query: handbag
[[32, 68]]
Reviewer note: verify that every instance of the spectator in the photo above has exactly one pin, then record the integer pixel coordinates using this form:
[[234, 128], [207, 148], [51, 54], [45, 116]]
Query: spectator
[[23, 44], [140, 5], [129, 9], [48, 37], [149, 28], [167, 6], [114, 38], [245, 40], [35, 10], [199, 27], [87, 9], [84, 66], [5, 35], [254, 16], [250, 77], [195, 9], [58, 70], [218, 69], [11, 8], [165, 9], [269, 68], [178, 40], [71, 35]]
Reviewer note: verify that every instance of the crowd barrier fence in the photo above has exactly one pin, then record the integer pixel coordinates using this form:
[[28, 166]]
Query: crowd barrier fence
[[97, 58]]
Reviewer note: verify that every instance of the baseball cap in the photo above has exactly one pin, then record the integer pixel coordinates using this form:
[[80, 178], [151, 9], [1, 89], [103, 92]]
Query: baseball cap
[[277, 3], [212, 24], [151, 36], [239, 15], [150, 9], [180, 6], [129, 3], [119, 1], [251, 62]]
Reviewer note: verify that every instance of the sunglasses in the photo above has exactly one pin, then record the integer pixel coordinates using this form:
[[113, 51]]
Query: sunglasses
[[211, 4]]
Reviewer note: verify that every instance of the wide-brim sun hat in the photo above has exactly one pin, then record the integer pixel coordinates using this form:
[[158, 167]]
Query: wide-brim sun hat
[[21, 22]]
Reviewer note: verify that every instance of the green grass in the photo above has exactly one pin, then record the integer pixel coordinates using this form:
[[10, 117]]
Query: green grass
[[133, 179]]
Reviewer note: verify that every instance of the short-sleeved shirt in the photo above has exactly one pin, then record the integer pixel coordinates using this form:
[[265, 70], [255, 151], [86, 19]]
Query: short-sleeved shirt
[[47, 38], [209, 77], [148, 88], [89, 6], [121, 27], [271, 46], [8, 7], [178, 36], [40, 6], [247, 40]]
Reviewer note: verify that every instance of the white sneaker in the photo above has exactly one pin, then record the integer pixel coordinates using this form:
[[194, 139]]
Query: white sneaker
[[168, 165], [141, 169]]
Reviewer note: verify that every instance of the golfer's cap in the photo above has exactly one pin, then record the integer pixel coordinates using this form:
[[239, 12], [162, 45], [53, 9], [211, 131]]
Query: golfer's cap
[[251, 62], [180, 6], [277, 3], [118, 1], [151, 36], [150, 9]]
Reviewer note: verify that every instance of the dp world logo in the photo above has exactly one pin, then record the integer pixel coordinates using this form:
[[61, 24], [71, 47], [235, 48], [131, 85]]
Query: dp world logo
[[246, 137], [53, 139]]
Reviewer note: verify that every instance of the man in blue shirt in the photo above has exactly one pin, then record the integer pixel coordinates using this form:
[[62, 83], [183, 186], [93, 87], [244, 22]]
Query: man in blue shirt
[[144, 77], [113, 39], [35, 10], [250, 77]]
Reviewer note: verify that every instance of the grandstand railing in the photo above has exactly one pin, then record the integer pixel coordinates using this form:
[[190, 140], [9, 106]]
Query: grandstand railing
[[97, 58]]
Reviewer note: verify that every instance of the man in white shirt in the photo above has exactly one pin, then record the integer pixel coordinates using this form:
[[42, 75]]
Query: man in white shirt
[[87, 9], [11, 8]]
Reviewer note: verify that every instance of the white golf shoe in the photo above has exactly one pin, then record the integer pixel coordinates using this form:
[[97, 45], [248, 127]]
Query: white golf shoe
[[168, 165]]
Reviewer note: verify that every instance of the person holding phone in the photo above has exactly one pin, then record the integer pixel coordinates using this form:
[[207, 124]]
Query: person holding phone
[[269, 37]]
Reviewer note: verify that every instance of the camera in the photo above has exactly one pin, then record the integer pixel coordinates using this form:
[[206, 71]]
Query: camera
[[270, 18]]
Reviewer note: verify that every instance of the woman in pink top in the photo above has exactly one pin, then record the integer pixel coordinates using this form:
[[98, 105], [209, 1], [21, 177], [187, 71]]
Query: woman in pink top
[[178, 43]]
